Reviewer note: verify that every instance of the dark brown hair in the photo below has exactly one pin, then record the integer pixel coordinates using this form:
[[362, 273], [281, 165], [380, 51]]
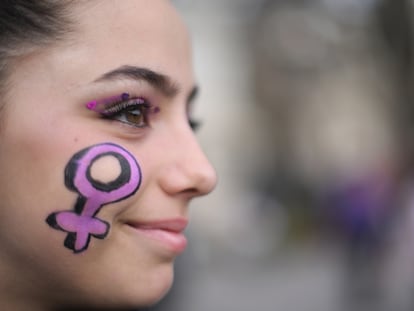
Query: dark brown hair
[[29, 24]]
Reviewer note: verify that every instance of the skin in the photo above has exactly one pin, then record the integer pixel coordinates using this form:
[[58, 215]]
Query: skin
[[45, 122]]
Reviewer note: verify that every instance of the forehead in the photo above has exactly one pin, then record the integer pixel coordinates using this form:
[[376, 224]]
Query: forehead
[[108, 34], [152, 29], [106, 19]]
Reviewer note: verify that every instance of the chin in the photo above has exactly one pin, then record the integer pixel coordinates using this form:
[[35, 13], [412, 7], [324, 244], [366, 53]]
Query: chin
[[126, 302], [126, 294], [155, 290], [155, 287]]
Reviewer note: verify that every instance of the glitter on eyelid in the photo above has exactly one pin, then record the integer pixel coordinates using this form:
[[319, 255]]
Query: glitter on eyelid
[[99, 106], [125, 108], [91, 105]]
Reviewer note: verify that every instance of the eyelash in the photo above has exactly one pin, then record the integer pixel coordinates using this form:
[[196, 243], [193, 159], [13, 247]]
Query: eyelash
[[194, 124], [118, 107], [134, 112], [131, 111]]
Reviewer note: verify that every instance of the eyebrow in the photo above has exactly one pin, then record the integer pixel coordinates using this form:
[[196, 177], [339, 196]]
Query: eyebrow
[[157, 80]]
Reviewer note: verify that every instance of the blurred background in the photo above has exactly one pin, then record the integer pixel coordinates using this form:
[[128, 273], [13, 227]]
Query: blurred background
[[308, 119]]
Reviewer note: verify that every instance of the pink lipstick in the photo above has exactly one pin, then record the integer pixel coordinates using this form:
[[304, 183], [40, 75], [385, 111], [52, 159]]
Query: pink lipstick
[[168, 233]]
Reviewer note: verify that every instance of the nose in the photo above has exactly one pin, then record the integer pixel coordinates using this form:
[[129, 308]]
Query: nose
[[187, 169]]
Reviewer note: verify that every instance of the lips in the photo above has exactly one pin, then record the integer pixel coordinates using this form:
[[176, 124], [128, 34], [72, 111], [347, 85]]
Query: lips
[[166, 233]]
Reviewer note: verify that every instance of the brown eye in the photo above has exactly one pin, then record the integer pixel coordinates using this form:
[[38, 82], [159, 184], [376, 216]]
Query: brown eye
[[136, 116], [133, 112]]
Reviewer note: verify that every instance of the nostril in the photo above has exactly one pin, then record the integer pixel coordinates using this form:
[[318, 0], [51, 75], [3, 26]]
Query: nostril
[[192, 192]]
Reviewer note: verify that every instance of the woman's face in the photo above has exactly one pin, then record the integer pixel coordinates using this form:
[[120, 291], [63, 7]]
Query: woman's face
[[119, 86]]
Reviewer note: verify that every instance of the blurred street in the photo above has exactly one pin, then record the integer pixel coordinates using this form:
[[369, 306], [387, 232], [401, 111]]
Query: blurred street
[[307, 118], [303, 280]]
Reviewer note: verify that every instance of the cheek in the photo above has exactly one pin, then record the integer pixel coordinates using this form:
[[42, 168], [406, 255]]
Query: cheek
[[31, 177], [95, 188], [26, 244], [33, 249], [106, 169]]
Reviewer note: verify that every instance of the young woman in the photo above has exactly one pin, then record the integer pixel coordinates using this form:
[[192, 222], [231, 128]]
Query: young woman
[[98, 160]]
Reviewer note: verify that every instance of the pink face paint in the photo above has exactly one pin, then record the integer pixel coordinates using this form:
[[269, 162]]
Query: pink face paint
[[82, 223]]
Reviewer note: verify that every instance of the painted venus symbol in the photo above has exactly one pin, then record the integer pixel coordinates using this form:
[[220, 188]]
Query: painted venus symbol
[[81, 223]]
